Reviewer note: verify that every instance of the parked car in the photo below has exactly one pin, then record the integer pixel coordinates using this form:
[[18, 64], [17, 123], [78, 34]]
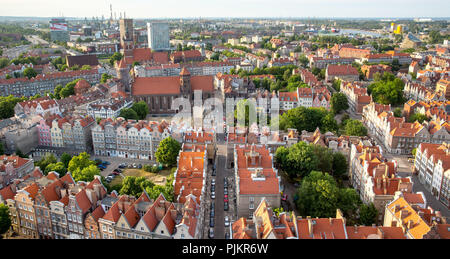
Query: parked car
[[211, 222], [227, 235], [212, 206], [225, 191], [106, 162], [101, 166], [225, 185], [227, 221], [225, 206], [98, 161], [211, 214], [213, 173], [122, 166], [213, 195], [211, 233], [213, 188], [213, 181], [140, 166]]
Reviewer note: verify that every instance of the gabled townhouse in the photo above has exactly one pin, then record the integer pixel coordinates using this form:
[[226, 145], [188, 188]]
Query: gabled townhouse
[[255, 178], [128, 138], [14, 167], [91, 227], [432, 164], [356, 95]]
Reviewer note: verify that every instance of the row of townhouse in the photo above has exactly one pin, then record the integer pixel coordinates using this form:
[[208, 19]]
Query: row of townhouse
[[432, 164], [43, 83], [341, 72], [108, 108], [69, 132], [307, 77], [53, 207], [330, 140], [305, 97], [39, 106], [403, 220], [389, 57], [374, 178], [432, 109], [356, 95], [129, 138], [44, 105], [399, 136], [324, 62], [257, 61], [419, 92]]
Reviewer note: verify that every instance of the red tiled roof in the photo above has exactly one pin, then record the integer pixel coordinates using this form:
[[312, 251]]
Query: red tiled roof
[[368, 232], [83, 201], [156, 85], [341, 70], [7, 193]]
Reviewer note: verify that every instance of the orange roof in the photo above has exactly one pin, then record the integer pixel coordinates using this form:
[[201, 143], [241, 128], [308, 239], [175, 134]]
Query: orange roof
[[369, 232], [239, 229], [7, 193], [32, 190], [444, 231], [204, 83], [83, 201], [321, 228], [98, 213], [156, 85], [401, 206]]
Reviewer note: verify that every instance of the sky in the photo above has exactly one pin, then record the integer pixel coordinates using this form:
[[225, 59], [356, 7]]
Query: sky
[[228, 8]]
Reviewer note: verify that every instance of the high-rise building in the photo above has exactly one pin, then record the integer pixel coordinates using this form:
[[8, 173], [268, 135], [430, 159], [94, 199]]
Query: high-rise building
[[59, 30], [158, 36]]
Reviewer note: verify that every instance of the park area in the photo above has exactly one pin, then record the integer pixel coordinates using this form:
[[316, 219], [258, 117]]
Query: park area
[[157, 178]]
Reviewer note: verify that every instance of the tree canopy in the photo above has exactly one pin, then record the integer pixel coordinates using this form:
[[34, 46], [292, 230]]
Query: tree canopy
[[355, 128], [128, 114], [29, 72], [339, 103], [167, 151], [319, 196], [5, 220], [418, 117], [387, 89], [141, 109], [309, 119], [82, 168]]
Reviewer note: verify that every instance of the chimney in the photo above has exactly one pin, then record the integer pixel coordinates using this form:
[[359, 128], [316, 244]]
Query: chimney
[[310, 226], [380, 233], [410, 224]]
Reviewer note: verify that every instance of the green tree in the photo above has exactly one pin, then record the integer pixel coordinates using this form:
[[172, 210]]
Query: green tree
[[5, 220], [86, 174], [57, 167], [29, 72], [8, 76], [105, 78], [167, 151], [243, 110], [418, 117], [2, 149], [339, 103], [86, 67], [387, 89], [20, 154], [82, 168], [318, 195], [115, 57], [368, 214], [355, 128], [298, 160], [132, 185], [398, 112], [325, 157], [414, 151], [141, 109], [65, 159], [340, 165], [128, 114], [46, 160]]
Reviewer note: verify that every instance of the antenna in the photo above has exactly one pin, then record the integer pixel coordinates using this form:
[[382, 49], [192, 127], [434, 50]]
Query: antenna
[[110, 8]]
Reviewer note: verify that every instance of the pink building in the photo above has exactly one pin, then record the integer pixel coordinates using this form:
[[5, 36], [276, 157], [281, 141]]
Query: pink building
[[44, 130]]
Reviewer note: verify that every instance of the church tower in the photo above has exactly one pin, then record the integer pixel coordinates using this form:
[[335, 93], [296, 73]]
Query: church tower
[[185, 83], [123, 74]]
